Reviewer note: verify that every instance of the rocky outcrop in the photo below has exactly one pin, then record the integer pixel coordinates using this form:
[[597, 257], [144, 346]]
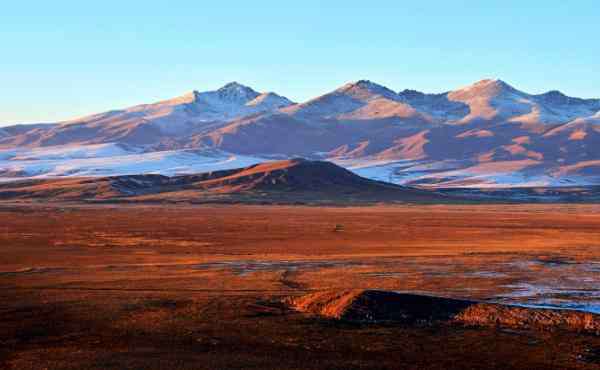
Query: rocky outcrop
[[386, 306]]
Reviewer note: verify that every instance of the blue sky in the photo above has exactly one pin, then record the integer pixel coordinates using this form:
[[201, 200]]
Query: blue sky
[[62, 59]]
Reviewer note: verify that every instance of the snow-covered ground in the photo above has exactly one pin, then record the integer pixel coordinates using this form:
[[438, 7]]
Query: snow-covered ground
[[117, 159], [381, 170], [68, 152], [113, 159], [455, 174]]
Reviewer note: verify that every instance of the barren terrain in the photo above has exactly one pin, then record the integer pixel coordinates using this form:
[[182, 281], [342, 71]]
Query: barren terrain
[[190, 287]]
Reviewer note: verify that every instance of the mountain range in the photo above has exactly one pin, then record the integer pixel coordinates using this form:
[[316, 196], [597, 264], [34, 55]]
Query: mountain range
[[486, 134]]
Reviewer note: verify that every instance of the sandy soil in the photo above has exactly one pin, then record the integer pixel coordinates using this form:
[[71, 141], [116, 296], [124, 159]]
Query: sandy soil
[[187, 287]]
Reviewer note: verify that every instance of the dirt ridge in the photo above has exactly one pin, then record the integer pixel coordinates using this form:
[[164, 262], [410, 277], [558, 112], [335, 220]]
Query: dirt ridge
[[388, 306]]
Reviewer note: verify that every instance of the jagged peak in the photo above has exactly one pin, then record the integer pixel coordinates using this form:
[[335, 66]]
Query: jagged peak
[[195, 94], [364, 84], [236, 91], [411, 94], [369, 87], [235, 85]]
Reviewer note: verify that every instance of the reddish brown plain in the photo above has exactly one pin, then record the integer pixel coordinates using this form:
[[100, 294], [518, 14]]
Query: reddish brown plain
[[193, 287]]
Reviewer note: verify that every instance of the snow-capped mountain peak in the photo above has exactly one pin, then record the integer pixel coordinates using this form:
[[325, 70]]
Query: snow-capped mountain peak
[[237, 93], [487, 88], [232, 93], [270, 100], [232, 101], [345, 100], [146, 123], [494, 99]]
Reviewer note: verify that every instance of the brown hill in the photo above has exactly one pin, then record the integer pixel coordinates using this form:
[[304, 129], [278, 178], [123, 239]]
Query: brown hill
[[289, 181]]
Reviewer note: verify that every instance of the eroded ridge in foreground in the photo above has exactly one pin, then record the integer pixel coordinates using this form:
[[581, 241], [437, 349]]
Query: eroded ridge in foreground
[[387, 306]]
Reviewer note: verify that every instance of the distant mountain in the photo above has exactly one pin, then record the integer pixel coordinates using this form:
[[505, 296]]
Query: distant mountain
[[357, 101], [158, 124], [485, 134], [495, 100], [358, 119], [289, 181]]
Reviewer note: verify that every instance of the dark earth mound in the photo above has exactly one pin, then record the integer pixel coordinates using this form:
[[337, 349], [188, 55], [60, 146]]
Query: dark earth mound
[[377, 306]]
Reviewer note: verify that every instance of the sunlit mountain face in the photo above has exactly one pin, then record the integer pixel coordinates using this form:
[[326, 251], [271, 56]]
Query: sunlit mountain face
[[488, 134]]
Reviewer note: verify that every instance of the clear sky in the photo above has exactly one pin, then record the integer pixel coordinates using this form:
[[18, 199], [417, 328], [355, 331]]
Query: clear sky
[[61, 59]]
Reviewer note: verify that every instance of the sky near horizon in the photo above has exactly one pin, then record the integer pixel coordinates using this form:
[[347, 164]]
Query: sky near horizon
[[64, 59]]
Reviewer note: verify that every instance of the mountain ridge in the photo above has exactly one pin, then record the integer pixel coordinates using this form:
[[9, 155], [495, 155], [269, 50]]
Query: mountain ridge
[[481, 129]]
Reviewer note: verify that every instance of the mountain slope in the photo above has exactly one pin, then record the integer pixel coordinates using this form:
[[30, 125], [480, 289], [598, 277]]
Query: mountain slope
[[357, 119], [157, 124], [361, 100], [361, 119]]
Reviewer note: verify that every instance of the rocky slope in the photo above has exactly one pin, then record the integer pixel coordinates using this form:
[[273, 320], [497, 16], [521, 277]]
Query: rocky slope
[[381, 306]]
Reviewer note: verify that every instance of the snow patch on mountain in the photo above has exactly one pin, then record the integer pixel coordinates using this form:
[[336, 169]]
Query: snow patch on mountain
[[66, 152], [460, 174], [60, 162], [269, 101]]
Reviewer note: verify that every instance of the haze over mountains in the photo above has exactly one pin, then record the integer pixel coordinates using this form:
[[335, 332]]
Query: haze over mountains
[[485, 134]]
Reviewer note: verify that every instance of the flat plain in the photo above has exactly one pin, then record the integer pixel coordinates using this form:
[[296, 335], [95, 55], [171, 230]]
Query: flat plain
[[192, 287]]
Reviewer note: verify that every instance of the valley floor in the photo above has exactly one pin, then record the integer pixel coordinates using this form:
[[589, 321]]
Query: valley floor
[[189, 287]]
